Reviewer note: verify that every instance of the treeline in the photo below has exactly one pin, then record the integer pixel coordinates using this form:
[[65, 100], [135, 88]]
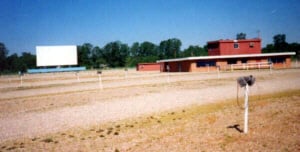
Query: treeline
[[113, 54], [14, 62], [118, 54], [280, 45]]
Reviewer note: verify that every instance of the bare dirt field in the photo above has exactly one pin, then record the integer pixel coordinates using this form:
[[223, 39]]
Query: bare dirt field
[[148, 111]]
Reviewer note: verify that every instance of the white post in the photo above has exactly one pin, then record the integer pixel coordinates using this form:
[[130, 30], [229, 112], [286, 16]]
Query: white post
[[78, 79], [21, 80], [246, 110], [168, 77], [100, 81], [231, 66], [218, 70], [271, 66], [126, 72], [207, 65]]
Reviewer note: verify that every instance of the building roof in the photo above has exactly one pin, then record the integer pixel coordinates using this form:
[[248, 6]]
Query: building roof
[[231, 41], [228, 56]]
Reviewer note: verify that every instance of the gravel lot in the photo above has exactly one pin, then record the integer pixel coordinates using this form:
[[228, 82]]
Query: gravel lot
[[49, 103]]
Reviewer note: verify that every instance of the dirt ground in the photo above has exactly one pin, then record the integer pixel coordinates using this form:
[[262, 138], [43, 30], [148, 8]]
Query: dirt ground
[[148, 112]]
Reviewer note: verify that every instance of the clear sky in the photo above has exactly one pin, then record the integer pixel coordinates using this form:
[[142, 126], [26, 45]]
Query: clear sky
[[25, 24]]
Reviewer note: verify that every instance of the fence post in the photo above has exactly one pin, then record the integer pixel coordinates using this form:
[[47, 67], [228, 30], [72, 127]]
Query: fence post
[[246, 110]]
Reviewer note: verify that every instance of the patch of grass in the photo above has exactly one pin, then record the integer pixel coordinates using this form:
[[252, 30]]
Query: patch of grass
[[99, 131], [109, 132], [48, 140], [116, 133], [11, 148]]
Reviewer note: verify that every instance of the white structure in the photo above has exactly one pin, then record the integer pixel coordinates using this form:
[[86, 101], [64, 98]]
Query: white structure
[[56, 55]]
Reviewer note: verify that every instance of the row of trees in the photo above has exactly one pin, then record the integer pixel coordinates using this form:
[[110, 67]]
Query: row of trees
[[14, 62], [118, 54], [280, 45]]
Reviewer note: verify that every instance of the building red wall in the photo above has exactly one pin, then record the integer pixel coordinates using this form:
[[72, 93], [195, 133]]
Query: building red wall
[[148, 67], [223, 65], [226, 47]]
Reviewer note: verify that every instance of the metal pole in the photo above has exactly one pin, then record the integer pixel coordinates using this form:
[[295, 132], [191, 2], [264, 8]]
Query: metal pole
[[246, 110]]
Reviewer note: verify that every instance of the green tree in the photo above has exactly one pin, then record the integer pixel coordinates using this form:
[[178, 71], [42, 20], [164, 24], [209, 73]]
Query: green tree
[[115, 54], [241, 36], [3, 56], [13, 61], [279, 43], [85, 54], [135, 49], [194, 50], [147, 49], [169, 48], [28, 60], [97, 57], [268, 49]]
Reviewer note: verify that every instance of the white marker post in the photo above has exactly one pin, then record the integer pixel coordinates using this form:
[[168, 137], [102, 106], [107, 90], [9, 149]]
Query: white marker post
[[77, 74], [100, 79], [100, 82], [246, 110], [218, 70], [126, 73], [21, 80]]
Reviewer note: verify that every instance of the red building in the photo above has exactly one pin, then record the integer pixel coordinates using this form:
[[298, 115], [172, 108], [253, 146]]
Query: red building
[[229, 55], [148, 67], [234, 47]]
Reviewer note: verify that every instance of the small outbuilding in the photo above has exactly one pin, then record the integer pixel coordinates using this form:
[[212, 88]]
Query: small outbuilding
[[148, 67]]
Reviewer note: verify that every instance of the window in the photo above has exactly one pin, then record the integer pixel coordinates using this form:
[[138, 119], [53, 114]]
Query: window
[[231, 61], [235, 45], [212, 46], [251, 45], [244, 60], [277, 60], [206, 63]]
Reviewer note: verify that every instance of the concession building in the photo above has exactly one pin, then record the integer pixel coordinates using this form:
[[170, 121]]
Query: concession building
[[229, 55]]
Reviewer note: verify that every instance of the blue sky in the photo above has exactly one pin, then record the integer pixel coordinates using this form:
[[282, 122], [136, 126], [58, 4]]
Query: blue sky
[[25, 24]]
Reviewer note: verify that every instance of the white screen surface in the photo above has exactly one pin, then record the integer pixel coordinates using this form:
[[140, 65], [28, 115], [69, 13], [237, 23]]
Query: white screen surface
[[56, 55]]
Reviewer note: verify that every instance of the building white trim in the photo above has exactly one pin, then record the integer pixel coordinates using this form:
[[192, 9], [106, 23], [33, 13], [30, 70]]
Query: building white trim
[[228, 56]]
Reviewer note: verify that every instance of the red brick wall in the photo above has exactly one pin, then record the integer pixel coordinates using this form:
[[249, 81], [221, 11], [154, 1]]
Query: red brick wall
[[226, 47], [148, 67]]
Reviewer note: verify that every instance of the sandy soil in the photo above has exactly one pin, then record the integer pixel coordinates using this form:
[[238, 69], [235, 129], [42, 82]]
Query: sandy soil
[[41, 108]]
